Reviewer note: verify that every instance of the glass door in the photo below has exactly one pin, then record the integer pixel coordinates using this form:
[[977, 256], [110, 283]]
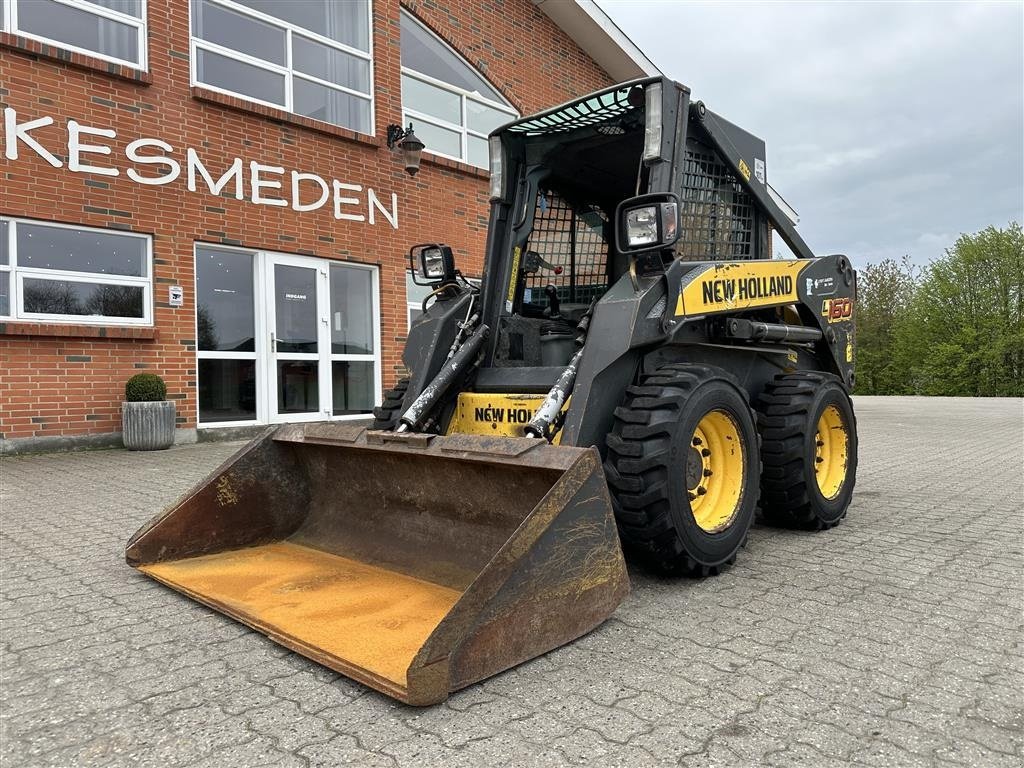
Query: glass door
[[354, 340], [298, 339]]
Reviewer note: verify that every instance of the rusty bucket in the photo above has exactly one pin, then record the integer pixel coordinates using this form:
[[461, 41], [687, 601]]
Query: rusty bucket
[[415, 564]]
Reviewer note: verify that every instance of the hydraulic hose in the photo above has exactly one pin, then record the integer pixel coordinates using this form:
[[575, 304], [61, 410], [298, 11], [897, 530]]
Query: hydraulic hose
[[540, 425]]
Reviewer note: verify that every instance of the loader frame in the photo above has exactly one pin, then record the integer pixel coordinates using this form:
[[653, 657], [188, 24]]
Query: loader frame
[[641, 320], [428, 552]]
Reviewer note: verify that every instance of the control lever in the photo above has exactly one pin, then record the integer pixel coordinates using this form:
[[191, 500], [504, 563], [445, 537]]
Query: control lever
[[553, 304], [533, 261]]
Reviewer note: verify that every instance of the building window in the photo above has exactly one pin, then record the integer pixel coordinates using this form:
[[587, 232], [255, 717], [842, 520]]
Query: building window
[[353, 332], [414, 296], [453, 108], [113, 30], [61, 273], [5, 269], [284, 338], [417, 292], [309, 57], [226, 334]]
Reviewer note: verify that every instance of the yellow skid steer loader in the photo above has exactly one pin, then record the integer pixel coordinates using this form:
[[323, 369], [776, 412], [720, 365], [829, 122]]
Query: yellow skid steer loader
[[633, 373]]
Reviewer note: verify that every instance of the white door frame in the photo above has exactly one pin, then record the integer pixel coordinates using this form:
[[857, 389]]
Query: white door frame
[[321, 309], [265, 324], [376, 357]]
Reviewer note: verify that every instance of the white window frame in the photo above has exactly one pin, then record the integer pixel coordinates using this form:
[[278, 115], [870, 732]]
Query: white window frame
[[411, 307], [411, 304], [259, 330], [266, 386], [10, 24], [16, 275], [377, 358], [414, 116], [289, 74], [6, 270]]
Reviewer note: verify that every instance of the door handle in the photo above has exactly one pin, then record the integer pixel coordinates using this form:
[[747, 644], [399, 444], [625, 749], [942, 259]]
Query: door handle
[[273, 342]]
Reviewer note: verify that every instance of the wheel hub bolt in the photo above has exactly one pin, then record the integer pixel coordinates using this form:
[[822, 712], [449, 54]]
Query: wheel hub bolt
[[701, 491]]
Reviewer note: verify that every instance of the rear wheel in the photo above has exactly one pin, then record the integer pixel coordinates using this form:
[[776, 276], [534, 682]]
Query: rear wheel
[[683, 468], [808, 450], [386, 415]]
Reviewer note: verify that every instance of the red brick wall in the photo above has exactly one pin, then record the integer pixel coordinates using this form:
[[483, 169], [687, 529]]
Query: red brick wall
[[72, 383]]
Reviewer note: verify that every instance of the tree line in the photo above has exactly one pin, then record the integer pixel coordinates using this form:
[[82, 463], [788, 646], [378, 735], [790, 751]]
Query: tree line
[[953, 327]]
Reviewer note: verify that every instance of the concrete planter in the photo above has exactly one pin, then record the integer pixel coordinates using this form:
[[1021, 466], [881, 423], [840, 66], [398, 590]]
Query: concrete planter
[[148, 426]]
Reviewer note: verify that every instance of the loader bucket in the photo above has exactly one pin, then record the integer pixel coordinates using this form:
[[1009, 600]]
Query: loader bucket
[[415, 564]]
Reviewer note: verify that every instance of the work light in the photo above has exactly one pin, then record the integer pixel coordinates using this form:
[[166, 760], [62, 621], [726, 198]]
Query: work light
[[432, 260], [653, 124], [648, 221], [495, 157], [436, 262], [642, 226]]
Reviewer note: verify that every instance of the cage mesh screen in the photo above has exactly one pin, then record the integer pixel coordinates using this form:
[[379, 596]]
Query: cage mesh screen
[[717, 213], [573, 240]]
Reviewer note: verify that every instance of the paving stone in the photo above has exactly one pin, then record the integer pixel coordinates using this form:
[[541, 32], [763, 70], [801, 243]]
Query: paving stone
[[894, 639]]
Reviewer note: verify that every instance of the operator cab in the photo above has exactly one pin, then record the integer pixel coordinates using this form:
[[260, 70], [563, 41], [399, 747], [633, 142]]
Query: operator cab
[[573, 168], [612, 187]]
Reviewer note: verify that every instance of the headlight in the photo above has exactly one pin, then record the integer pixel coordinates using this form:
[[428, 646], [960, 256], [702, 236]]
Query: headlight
[[642, 226], [432, 262], [647, 222]]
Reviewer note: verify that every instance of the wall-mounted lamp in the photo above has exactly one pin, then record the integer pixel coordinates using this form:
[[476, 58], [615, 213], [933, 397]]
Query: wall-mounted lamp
[[410, 146]]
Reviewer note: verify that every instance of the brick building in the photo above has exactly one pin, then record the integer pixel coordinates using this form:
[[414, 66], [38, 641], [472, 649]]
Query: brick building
[[202, 189]]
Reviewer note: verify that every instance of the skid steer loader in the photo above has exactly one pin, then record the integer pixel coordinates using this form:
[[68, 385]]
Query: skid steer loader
[[633, 367]]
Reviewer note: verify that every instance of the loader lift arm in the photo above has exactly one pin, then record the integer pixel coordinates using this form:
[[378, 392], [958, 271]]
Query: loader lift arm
[[712, 125]]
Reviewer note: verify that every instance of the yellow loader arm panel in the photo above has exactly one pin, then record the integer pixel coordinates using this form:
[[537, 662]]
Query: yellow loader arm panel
[[732, 286]]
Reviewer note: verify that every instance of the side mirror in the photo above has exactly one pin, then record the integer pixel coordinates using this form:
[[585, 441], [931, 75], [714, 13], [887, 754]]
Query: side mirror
[[647, 223], [434, 261]]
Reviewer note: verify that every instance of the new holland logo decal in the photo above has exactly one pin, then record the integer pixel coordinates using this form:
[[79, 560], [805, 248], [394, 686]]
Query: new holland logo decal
[[727, 287]]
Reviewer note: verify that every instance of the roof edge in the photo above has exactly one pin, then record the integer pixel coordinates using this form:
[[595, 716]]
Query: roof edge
[[600, 38], [785, 207]]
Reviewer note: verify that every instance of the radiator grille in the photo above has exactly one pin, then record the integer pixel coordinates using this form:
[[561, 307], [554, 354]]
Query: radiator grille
[[717, 213]]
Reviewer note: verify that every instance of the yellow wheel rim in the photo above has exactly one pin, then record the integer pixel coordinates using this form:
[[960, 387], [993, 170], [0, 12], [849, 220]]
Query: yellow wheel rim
[[715, 470], [831, 451]]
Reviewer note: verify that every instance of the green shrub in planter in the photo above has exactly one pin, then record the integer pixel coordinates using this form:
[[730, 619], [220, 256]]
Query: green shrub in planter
[[145, 388], [147, 417]]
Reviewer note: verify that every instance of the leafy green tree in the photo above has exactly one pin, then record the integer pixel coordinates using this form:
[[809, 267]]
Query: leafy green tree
[[964, 331], [885, 292]]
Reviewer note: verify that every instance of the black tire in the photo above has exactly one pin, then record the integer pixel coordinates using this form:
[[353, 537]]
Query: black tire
[[789, 412], [385, 415], [649, 461]]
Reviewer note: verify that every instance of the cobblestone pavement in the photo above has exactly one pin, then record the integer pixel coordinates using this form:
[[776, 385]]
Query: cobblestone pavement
[[894, 639]]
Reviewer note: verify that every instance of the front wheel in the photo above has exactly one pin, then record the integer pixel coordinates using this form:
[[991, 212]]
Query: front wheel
[[808, 449], [683, 467]]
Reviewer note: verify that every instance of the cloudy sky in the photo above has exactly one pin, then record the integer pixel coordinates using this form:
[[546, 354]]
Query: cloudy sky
[[890, 127]]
